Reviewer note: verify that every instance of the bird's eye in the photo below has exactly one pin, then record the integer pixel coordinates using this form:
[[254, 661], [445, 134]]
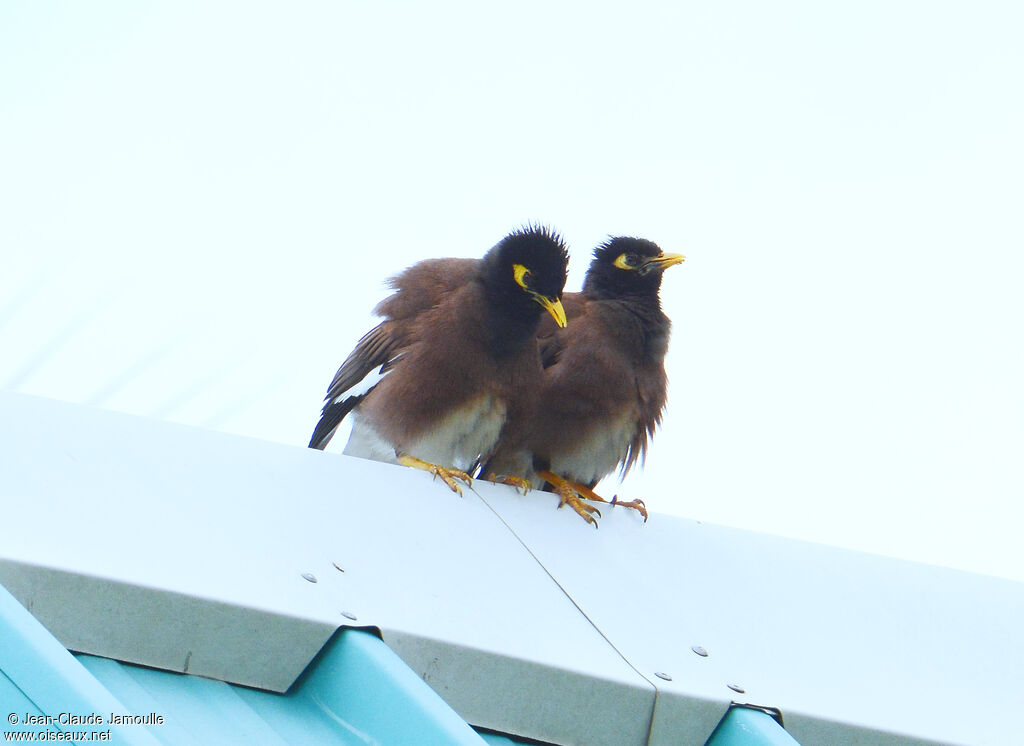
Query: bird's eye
[[524, 278], [627, 261]]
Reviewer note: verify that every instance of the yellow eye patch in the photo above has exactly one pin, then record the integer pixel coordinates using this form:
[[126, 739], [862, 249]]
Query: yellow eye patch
[[626, 261], [524, 278]]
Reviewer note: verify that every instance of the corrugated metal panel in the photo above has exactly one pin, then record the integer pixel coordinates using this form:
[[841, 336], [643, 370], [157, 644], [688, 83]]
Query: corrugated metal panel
[[38, 677], [743, 726], [168, 628], [357, 691], [497, 739]]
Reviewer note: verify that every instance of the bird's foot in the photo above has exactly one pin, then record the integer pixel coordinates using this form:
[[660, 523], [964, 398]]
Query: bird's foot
[[637, 505], [583, 491], [518, 482], [569, 495], [447, 475]]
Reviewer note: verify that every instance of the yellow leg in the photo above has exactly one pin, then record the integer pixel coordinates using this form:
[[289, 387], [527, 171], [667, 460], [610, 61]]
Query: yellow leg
[[520, 482], [637, 505], [583, 491], [570, 496], [448, 475]]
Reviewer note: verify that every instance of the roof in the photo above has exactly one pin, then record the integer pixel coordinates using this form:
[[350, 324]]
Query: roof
[[237, 560], [356, 691], [351, 694]]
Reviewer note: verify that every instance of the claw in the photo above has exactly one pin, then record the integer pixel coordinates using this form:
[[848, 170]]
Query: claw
[[448, 476], [517, 482], [583, 491], [568, 494], [637, 505]]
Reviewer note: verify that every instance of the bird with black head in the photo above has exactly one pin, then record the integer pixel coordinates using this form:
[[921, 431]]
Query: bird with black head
[[455, 357], [604, 386]]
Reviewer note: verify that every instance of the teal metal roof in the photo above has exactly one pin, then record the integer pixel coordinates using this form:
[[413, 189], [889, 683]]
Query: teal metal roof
[[356, 691], [746, 726]]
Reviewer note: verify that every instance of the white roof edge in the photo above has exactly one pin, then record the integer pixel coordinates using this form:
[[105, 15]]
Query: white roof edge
[[167, 629], [248, 555]]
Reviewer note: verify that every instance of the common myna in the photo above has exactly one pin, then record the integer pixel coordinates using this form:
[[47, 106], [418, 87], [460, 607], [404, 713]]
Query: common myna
[[604, 385], [457, 354]]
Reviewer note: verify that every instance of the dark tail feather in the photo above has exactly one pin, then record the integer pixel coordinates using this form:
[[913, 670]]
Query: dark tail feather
[[332, 416]]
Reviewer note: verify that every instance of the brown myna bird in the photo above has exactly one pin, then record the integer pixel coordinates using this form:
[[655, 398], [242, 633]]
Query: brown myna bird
[[457, 354], [604, 386]]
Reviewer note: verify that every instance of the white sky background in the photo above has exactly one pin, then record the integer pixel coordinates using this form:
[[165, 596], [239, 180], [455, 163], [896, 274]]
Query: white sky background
[[199, 205]]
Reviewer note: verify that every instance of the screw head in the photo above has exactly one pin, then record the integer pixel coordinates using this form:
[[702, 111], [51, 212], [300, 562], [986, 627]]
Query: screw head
[[662, 675], [737, 688], [349, 615], [309, 576], [699, 651]]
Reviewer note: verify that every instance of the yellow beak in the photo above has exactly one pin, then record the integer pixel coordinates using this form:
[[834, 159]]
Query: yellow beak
[[662, 262], [554, 307], [667, 260]]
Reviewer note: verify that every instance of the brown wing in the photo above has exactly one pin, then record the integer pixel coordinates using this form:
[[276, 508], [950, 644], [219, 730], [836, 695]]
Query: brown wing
[[423, 285], [419, 288]]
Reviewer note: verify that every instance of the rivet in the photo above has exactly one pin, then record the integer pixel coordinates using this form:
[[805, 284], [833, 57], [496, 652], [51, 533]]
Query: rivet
[[349, 615], [664, 676], [700, 651], [309, 576], [737, 688]]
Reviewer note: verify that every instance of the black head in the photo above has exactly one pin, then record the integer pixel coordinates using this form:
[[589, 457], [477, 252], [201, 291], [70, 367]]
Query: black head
[[626, 266], [525, 273]]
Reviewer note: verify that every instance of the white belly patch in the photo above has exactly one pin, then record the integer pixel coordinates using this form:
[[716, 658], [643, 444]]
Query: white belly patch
[[598, 453], [457, 439], [464, 435]]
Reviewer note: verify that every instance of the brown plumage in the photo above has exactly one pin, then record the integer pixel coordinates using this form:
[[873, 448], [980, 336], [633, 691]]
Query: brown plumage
[[457, 354], [418, 289], [604, 386]]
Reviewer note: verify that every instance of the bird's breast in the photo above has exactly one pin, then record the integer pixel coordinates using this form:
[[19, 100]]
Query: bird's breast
[[597, 451], [463, 434]]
